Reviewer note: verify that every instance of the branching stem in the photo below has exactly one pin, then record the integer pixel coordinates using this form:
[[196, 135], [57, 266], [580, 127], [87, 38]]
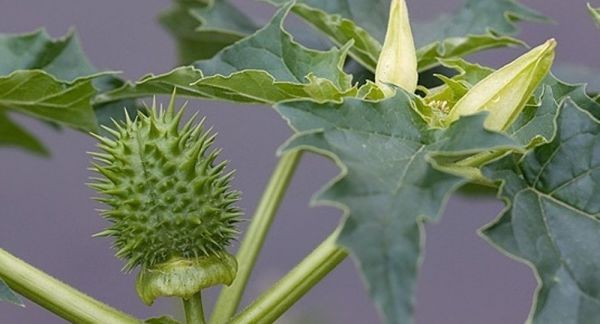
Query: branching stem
[[57, 297], [287, 291], [230, 297]]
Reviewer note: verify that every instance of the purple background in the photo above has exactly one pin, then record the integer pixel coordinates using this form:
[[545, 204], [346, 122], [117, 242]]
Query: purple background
[[47, 217]]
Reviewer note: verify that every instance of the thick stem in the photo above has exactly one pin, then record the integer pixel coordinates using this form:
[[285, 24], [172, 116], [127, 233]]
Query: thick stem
[[274, 302], [230, 297], [194, 311], [55, 296]]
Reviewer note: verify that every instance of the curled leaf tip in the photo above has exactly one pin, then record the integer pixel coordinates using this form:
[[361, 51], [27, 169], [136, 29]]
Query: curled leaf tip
[[397, 63]]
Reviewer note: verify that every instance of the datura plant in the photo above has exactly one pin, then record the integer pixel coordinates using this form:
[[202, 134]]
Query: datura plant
[[395, 104]]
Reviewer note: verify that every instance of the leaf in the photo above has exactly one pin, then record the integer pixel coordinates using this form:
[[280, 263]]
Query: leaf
[[467, 32], [38, 94], [479, 17], [266, 67], [552, 220], [477, 26], [536, 123], [456, 47], [387, 186], [575, 92], [203, 29], [576, 73], [370, 15], [54, 81], [595, 13], [63, 57], [115, 110], [12, 134], [7, 295], [340, 22]]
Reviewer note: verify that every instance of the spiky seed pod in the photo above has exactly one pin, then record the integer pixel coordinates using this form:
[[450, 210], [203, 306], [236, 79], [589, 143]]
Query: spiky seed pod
[[169, 199]]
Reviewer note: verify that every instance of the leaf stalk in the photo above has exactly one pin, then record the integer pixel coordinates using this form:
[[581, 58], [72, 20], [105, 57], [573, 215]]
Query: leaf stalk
[[295, 284], [253, 241], [56, 296]]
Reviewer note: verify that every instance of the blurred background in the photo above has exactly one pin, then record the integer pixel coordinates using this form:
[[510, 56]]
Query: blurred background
[[47, 217]]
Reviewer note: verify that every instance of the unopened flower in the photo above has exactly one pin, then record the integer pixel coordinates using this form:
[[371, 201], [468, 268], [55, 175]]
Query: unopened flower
[[505, 92], [398, 59]]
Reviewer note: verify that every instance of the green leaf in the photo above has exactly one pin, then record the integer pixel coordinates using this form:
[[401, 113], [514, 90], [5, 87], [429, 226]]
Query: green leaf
[[387, 187], [479, 17], [456, 47], [459, 35], [40, 95], [595, 12], [341, 21], [203, 29], [63, 57], [536, 123], [580, 73], [266, 67], [7, 295], [552, 222], [56, 85], [114, 110], [12, 134], [575, 92], [478, 25], [370, 15]]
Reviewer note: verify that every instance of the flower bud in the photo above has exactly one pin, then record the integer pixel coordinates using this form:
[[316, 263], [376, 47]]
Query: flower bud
[[505, 92], [398, 59]]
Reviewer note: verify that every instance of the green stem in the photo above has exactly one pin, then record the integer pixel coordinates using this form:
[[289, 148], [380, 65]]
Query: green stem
[[230, 297], [55, 296], [274, 302], [194, 311]]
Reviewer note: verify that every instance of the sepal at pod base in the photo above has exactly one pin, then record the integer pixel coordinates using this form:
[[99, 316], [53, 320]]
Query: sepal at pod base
[[505, 92], [397, 63], [185, 277], [171, 203]]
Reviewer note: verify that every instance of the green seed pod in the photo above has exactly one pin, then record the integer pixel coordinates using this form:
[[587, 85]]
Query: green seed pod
[[505, 92], [170, 202], [397, 63]]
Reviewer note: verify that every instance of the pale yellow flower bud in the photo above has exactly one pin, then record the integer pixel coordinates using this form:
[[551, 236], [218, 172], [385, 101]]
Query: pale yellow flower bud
[[398, 59], [505, 92]]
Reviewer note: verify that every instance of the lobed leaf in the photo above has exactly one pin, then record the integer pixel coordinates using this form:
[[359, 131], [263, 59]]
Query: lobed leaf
[[14, 135], [40, 95], [387, 187], [477, 26], [202, 29], [266, 67], [50, 79], [552, 219], [355, 21], [63, 57]]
